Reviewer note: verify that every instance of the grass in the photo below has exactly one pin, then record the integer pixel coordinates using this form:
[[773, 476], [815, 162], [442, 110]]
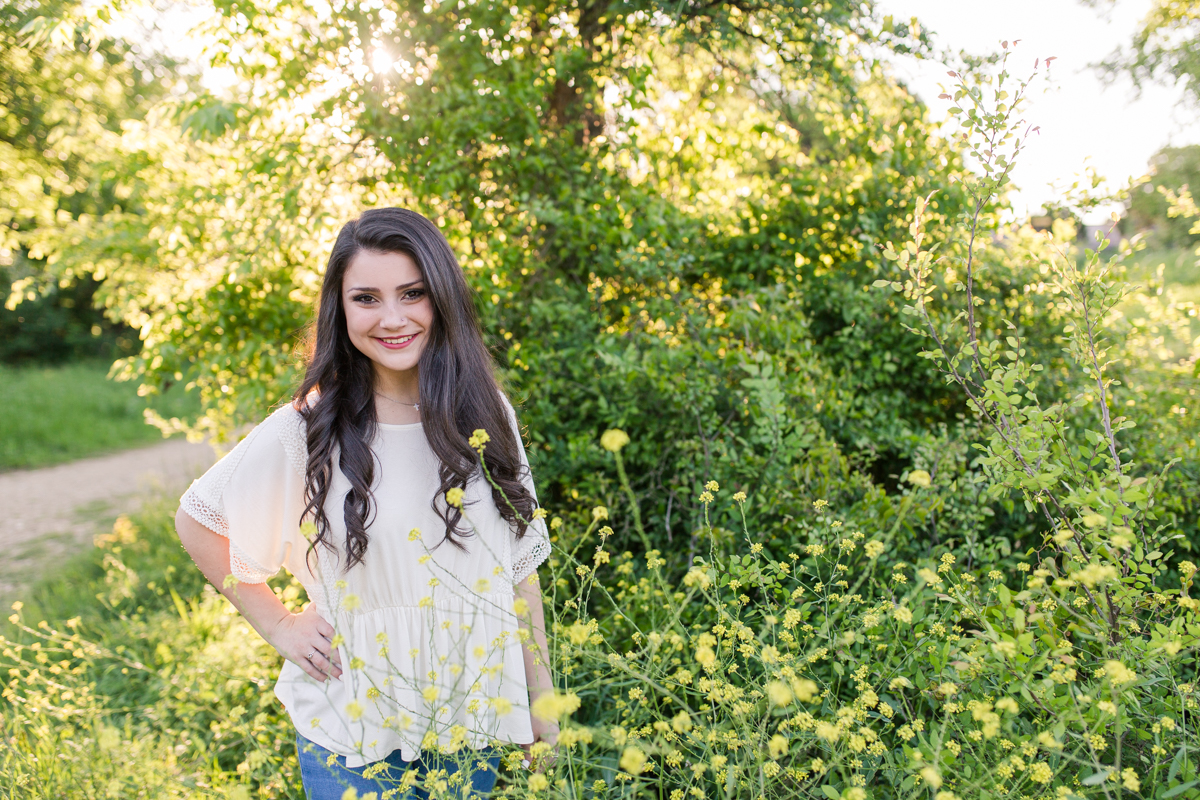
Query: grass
[[1180, 270], [144, 682], [53, 414]]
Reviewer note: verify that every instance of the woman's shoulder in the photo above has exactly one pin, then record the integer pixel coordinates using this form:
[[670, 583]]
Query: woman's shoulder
[[507, 404], [286, 424]]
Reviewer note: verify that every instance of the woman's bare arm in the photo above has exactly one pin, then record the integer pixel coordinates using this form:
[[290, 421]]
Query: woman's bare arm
[[293, 635], [537, 655]]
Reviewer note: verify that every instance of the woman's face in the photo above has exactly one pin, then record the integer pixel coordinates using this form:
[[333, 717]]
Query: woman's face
[[388, 312]]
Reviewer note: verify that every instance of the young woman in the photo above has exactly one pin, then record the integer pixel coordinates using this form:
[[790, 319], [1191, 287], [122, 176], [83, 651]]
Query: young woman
[[368, 489]]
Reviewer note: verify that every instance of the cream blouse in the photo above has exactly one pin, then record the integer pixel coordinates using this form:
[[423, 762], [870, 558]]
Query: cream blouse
[[427, 633]]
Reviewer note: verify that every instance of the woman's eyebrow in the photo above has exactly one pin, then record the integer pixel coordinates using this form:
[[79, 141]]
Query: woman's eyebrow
[[399, 288]]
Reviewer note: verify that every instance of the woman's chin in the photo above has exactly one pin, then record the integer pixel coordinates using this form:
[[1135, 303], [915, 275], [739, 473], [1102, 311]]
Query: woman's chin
[[396, 363]]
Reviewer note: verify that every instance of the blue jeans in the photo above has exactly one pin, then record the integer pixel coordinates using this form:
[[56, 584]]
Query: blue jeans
[[328, 780]]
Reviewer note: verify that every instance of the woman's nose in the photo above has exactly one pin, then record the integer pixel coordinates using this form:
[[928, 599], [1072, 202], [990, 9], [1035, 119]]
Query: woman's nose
[[393, 317]]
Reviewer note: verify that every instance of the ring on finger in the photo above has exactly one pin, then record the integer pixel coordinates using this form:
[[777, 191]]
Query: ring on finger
[[311, 653]]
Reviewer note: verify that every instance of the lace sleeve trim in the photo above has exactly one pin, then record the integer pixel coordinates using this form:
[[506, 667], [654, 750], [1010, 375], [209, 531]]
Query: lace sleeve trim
[[533, 549], [243, 567], [204, 512]]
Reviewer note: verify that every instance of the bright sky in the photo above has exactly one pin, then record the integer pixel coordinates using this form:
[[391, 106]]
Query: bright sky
[[1083, 122]]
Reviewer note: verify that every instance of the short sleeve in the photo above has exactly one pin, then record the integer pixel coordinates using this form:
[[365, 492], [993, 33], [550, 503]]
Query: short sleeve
[[254, 497], [531, 549]]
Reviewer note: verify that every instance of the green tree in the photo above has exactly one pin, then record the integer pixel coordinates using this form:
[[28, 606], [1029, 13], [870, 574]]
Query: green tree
[[1171, 169], [60, 149], [1165, 47], [571, 155]]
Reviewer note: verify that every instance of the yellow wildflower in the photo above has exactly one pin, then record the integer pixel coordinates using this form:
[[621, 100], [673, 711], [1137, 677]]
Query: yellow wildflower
[[579, 633], [633, 760], [1041, 772], [454, 497], [929, 576], [919, 477], [552, 705], [804, 689], [1118, 673], [778, 693], [778, 745], [614, 439]]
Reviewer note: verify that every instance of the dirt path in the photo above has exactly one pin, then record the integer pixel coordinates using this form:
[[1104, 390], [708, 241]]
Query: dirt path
[[48, 513]]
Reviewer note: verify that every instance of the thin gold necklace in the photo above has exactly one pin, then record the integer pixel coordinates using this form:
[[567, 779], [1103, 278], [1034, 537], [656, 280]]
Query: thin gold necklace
[[415, 406]]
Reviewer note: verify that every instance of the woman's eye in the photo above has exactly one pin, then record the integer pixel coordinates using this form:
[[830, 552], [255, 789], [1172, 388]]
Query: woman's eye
[[414, 294], [363, 298]]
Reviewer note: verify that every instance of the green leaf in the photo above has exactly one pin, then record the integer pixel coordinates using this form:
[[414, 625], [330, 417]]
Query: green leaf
[[1096, 778], [831, 793], [1180, 789]]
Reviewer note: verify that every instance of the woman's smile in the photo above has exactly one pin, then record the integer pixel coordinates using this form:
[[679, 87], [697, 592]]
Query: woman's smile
[[396, 342]]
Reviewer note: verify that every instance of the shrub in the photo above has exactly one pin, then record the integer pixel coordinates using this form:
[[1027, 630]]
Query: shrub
[[833, 670]]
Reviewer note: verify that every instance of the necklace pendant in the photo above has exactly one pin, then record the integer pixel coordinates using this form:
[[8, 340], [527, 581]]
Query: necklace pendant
[[416, 406]]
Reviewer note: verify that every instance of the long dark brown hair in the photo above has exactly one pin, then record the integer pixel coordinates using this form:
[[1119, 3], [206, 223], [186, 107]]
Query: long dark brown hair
[[458, 389]]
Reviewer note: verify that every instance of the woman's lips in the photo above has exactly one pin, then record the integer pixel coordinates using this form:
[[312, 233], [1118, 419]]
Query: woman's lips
[[396, 342]]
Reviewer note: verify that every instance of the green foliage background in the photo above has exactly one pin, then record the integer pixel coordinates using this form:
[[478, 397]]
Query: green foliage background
[[673, 217]]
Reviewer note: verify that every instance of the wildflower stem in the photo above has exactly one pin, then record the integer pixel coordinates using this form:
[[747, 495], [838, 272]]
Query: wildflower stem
[[633, 502]]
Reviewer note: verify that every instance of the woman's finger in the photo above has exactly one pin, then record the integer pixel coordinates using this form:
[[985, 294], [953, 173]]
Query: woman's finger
[[310, 669], [335, 657], [324, 628], [319, 660]]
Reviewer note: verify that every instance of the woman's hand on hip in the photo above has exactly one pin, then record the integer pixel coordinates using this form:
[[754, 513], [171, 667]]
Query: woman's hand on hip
[[307, 641]]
